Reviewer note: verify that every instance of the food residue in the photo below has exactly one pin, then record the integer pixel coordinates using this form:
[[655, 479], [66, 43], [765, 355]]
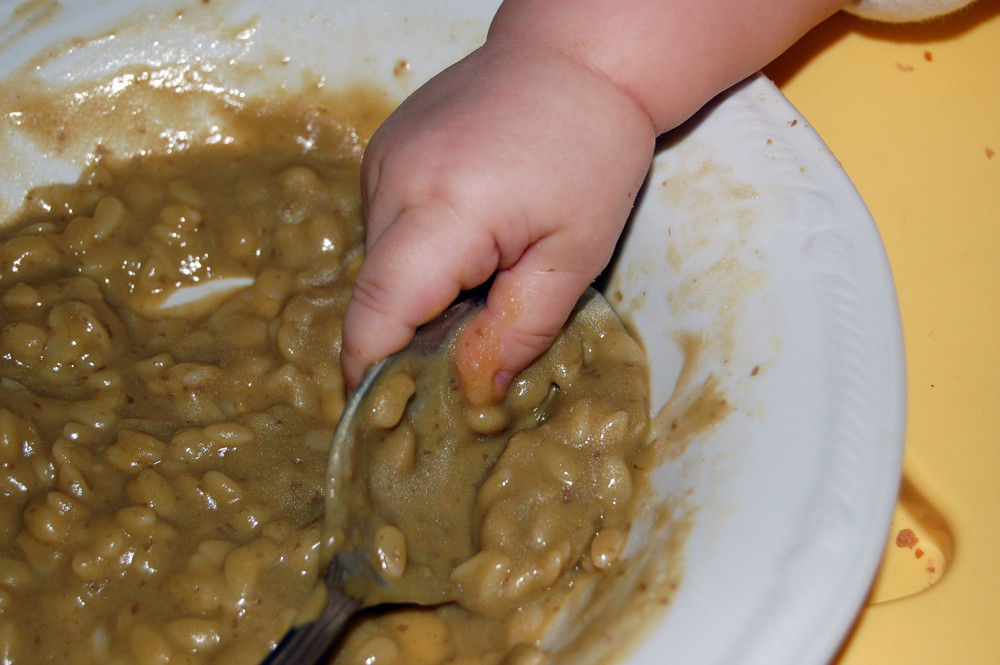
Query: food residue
[[906, 538]]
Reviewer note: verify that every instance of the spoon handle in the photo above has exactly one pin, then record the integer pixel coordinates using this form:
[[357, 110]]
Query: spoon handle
[[306, 643]]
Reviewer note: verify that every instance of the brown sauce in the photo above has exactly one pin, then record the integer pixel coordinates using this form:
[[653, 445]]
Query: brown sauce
[[163, 468]]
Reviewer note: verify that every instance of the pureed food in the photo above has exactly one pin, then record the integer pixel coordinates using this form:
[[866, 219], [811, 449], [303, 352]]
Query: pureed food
[[164, 454]]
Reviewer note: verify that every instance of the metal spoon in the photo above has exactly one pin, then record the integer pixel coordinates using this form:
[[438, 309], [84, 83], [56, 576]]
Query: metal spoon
[[351, 580]]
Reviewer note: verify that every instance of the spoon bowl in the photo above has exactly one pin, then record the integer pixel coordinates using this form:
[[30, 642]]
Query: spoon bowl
[[352, 580], [347, 534]]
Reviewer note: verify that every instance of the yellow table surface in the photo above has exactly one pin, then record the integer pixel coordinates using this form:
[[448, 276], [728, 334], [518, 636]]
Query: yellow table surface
[[913, 114]]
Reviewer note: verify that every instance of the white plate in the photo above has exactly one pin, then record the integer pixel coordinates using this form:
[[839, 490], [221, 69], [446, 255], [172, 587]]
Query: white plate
[[748, 235]]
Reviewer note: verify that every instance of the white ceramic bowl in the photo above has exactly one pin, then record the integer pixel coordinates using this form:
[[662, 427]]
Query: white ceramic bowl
[[748, 237]]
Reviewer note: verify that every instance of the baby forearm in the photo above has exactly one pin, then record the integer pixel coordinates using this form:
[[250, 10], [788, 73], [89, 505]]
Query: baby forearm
[[670, 56]]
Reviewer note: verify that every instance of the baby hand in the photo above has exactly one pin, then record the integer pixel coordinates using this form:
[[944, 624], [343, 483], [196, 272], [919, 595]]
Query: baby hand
[[515, 162]]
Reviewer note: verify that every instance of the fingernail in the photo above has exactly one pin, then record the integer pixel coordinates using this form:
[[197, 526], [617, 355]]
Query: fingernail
[[502, 380]]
